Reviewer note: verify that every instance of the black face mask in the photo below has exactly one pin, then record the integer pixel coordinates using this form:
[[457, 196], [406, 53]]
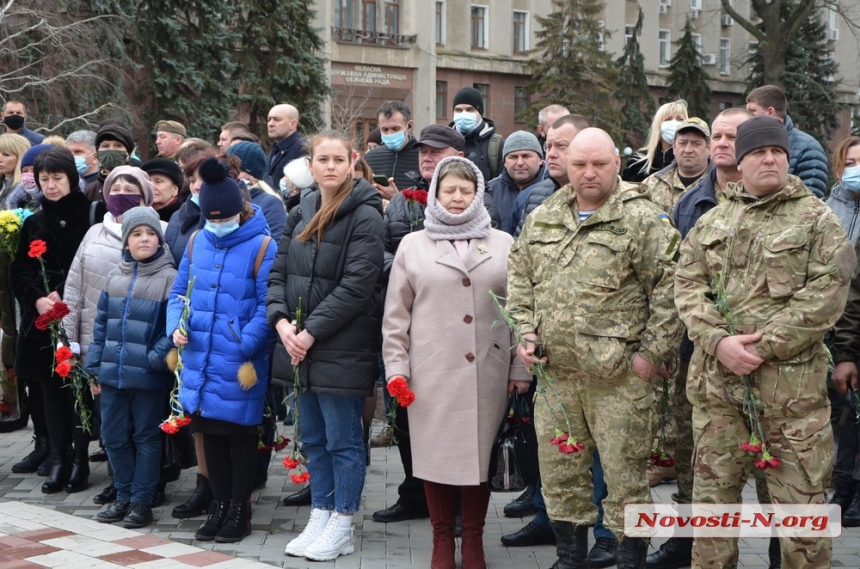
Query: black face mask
[[14, 122]]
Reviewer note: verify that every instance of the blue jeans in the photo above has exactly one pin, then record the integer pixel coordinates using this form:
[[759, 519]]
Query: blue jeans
[[132, 439], [331, 436], [541, 520]]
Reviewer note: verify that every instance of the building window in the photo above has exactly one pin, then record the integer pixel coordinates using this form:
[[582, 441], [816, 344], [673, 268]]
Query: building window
[[665, 48], [601, 35], [344, 13], [484, 89], [628, 33], [697, 40], [370, 15], [725, 56], [440, 23], [479, 27], [725, 105], [521, 32], [441, 99], [521, 101], [392, 18]]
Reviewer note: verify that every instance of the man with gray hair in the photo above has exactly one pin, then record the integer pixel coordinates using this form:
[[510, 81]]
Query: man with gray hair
[[523, 158], [546, 117], [82, 145]]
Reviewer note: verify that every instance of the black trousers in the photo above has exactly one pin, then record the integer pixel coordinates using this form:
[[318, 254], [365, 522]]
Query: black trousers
[[231, 460], [63, 423], [411, 490], [846, 469]]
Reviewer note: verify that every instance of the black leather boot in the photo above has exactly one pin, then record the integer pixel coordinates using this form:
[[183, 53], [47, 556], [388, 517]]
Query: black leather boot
[[59, 472], [851, 514], [571, 545], [215, 521], [237, 524], [198, 503], [31, 463], [842, 496], [774, 554], [634, 551], [676, 552], [80, 475]]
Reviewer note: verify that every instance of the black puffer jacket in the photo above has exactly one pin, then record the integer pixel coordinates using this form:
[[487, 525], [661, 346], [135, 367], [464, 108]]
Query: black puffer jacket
[[401, 165], [403, 217], [338, 284], [61, 225], [633, 172], [478, 149]]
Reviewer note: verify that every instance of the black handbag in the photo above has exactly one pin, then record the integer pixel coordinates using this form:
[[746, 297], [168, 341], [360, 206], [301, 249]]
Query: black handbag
[[514, 458]]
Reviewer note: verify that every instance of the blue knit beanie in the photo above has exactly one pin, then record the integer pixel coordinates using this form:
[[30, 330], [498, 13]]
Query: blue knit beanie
[[29, 157], [252, 156], [220, 196]]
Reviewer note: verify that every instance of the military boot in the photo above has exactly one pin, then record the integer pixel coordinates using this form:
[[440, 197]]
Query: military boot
[[571, 545], [634, 551], [851, 515], [41, 452], [676, 552], [842, 496]]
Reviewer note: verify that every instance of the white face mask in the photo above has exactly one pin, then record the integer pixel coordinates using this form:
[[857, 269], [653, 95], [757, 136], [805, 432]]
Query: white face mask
[[668, 129]]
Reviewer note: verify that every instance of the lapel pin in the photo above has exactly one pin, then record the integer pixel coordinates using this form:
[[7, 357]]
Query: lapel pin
[[483, 249]]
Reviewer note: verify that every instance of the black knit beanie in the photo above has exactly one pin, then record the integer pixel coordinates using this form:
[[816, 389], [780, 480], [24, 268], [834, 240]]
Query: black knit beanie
[[220, 196], [470, 96], [759, 132]]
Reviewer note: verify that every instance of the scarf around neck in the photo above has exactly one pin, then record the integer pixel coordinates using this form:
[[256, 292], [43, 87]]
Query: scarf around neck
[[473, 223]]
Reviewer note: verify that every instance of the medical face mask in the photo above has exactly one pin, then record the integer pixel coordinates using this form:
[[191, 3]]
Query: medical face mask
[[222, 229], [196, 199], [851, 178], [668, 129], [394, 141], [81, 164], [465, 122]]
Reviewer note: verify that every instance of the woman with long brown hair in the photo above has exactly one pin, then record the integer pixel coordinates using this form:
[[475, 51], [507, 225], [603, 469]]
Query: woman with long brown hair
[[329, 261]]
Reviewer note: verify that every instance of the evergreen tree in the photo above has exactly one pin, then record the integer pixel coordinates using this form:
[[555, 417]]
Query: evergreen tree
[[809, 77], [637, 104], [185, 48], [277, 62], [687, 80], [571, 67]]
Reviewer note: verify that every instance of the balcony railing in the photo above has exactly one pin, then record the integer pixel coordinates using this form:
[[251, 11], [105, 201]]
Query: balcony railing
[[371, 38]]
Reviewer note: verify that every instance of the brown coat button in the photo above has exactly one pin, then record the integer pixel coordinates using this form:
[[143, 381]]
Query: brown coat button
[[470, 357], [467, 282], [467, 319]]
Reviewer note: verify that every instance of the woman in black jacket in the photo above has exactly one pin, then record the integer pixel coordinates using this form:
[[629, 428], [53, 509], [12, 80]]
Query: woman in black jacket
[[61, 224], [330, 260]]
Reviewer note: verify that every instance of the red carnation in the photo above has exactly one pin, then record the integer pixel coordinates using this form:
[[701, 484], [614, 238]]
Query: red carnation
[[750, 447], [182, 421], [396, 386], [64, 369], [281, 442], [560, 437], [169, 428], [406, 398], [37, 249], [290, 463], [60, 310], [63, 354], [300, 478], [43, 321], [570, 448], [263, 449], [768, 461], [419, 196]]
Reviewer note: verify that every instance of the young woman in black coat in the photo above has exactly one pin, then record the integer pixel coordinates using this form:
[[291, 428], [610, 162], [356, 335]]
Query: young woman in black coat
[[61, 224]]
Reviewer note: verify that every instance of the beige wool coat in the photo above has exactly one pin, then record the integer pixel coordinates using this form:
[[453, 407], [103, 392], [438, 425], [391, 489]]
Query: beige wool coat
[[442, 332]]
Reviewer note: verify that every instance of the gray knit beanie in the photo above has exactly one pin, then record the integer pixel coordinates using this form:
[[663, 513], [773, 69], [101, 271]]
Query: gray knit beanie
[[759, 132], [137, 216], [522, 140]]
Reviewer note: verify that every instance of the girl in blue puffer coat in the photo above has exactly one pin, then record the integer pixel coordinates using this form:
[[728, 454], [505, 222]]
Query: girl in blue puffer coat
[[224, 363], [127, 355]]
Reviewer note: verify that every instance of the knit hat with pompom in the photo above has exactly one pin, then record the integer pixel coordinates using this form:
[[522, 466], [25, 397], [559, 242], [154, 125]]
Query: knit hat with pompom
[[220, 196]]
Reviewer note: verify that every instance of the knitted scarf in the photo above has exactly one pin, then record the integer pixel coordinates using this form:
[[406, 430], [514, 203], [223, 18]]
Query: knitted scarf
[[473, 223]]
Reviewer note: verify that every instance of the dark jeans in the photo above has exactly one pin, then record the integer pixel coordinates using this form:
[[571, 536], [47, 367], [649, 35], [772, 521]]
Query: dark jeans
[[130, 419], [846, 469]]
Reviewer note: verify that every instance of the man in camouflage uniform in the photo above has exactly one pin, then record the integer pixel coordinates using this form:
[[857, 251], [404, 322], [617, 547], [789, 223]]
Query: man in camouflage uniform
[[787, 264], [691, 163], [591, 277]]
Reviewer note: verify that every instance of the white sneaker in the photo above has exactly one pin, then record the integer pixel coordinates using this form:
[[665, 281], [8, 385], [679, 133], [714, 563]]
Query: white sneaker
[[316, 525], [335, 541]]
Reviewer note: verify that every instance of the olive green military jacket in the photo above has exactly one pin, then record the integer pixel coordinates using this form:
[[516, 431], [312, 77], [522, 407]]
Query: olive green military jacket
[[666, 187], [597, 292], [787, 264]]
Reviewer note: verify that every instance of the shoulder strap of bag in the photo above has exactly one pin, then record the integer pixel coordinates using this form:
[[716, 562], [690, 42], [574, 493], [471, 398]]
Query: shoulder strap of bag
[[93, 206], [260, 254], [191, 246], [493, 152]]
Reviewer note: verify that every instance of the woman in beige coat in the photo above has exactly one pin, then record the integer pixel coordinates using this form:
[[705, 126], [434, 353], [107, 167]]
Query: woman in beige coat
[[439, 335]]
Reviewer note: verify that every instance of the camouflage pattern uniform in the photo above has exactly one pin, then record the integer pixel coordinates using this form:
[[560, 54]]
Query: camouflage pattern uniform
[[596, 293], [787, 264], [666, 187]]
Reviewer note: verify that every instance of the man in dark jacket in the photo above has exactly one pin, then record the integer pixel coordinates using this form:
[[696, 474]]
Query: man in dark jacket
[[397, 157], [483, 143], [807, 159], [114, 146], [287, 143], [523, 159], [14, 117]]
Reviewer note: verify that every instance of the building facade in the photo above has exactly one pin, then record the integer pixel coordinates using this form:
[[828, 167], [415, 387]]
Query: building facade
[[424, 51]]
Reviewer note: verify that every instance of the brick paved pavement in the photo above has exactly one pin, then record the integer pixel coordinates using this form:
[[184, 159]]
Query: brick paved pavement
[[395, 546]]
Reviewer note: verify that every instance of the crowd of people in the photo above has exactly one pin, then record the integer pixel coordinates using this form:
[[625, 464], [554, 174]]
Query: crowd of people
[[197, 285]]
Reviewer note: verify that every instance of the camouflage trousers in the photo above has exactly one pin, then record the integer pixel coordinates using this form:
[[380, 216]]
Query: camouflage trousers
[[614, 416], [682, 410], [795, 417]]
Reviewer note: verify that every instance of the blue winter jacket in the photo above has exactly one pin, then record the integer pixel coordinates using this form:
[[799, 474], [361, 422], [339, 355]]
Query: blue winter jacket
[[228, 325], [505, 192], [807, 159], [129, 348], [273, 208], [184, 221]]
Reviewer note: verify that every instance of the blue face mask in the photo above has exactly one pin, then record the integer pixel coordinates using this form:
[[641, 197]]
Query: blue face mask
[[394, 141], [465, 122], [282, 185], [196, 199], [851, 178], [81, 164], [222, 229]]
